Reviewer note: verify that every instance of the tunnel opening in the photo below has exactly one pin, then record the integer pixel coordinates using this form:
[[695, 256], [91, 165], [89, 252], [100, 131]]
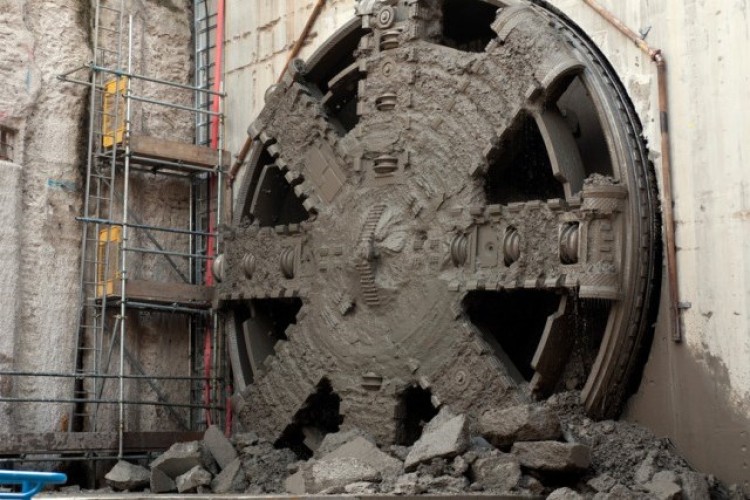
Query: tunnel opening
[[275, 202], [258, 159], [318, 416], [580, 112], [413, 411], [260, 324], [519, 166], [341, 100], [467, 24], [512, 323], [591, 317], [278, 314], [241, 369]]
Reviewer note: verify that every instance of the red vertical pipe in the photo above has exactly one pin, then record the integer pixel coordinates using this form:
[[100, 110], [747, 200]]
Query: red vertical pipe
[[212, 187], [218, 67]]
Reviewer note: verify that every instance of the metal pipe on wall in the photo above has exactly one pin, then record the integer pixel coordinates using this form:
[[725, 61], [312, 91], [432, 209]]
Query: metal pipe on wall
[[657, 57], [124, 250]]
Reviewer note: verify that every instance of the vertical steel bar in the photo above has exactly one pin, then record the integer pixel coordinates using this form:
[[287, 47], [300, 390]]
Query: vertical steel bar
[[78, 354], [123, 253], [219, 389]]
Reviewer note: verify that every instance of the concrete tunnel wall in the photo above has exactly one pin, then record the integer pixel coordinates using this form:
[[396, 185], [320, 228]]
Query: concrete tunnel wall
[[42, 193], [697, 392], [10, 207]]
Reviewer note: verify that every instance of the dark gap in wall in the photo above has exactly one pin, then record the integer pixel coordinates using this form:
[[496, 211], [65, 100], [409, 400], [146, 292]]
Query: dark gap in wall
[[414, 410], [319, 416]]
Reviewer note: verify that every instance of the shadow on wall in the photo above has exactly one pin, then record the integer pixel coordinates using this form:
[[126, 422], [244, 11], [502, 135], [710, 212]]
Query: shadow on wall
[[685, 395]]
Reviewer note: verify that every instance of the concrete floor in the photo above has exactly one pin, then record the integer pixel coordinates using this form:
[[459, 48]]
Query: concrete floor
[[138, 496]]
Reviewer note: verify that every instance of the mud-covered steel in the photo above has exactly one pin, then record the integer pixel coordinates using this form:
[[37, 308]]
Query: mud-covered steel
[[431, 185]]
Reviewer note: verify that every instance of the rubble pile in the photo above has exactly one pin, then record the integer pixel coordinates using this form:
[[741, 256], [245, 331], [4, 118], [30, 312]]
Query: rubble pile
[[538, 450]]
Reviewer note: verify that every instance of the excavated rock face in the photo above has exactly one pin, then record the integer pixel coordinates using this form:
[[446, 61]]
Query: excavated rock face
[[443, 206]]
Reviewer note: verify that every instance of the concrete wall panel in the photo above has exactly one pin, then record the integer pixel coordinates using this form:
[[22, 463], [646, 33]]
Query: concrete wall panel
[[49, 236], [10, 254]]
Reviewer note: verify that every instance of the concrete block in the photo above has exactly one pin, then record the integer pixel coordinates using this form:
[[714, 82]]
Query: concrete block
[[336, 473], [531, 485], [479, 444], [126, 476], [444, 485], [179, 458], [368, 454], [664, 486], [442, 437], [553, 456], [497, 473], [408, 485], [694, 486], [335, 440], [646, 470], [361, 488], [295, 484], [620, 492], [219, 446], [503, 427], [192, 479], [231, 480], [444, 415], [565, 494], [161, 483], [245, 439], [602, 483]]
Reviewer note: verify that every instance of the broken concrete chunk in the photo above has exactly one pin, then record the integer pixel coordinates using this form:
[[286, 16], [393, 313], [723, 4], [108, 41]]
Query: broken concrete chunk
[[459, 467], [665, 485], [269, 470], [444, 484], [231, 480], [245, 439], [503, 427], [192, 479], [361, 488], [337, 473], [564, 494], [620, 492], [127, 476], [447, 438], [602, 483], [337, 439], [179, 458], [444, 415], [531, 484], [368, 454], [479, 444], [161, 483], [694, 486], [295, 484], [497, 473], [313, 437], [646, 470], [408, 484], [553, 456], [219, 446], [207, 460], [399, 452]]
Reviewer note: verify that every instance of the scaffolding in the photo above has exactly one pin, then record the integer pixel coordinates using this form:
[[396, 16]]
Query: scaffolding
[[118, 152]]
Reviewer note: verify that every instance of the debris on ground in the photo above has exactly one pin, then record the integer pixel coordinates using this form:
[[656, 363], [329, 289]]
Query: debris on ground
[[125, 476], [548, 449]]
